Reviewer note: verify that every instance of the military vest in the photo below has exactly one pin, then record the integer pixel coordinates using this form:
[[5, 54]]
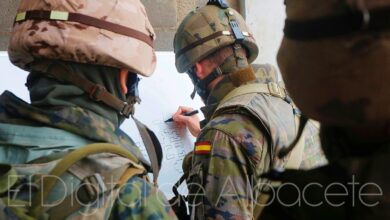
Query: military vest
[[268, 103]]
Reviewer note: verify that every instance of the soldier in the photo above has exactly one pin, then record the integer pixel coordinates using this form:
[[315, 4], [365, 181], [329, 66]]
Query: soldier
[[335, 59], [83, 58], [248, 114]]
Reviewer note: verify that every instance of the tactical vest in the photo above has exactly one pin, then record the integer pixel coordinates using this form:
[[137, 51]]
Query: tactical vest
[[270, 106], [72, 185]]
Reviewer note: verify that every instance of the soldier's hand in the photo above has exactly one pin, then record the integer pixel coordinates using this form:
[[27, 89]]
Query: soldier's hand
[[191, 122]]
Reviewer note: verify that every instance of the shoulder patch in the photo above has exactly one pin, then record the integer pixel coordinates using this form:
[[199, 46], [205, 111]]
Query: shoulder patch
[[202, 148]]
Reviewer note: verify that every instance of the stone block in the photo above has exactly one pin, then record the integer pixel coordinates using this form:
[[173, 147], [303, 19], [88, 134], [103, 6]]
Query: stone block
[[165, 39], [162, 13], [184, 7], [7, 14]]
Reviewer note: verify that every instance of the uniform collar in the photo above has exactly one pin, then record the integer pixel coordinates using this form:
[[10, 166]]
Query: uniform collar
[[224, 87], [263, 73], [72, 119]]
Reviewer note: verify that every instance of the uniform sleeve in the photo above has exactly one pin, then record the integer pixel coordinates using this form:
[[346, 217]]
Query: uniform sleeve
[[221, 183]]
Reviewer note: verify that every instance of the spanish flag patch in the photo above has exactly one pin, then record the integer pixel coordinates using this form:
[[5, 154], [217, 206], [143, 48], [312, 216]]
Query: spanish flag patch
[[202, 148]]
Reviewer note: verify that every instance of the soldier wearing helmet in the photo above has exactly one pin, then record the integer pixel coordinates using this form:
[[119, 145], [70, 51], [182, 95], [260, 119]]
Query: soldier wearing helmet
[[83, 59], [335, 59], [248, 114]]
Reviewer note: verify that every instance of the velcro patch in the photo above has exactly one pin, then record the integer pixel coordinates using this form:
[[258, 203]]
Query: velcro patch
[[202, 148]]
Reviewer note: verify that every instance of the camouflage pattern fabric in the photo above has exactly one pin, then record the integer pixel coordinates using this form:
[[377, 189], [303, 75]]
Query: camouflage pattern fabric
[[138, 199], [224, 180], [76, 120], [224, 183], [314, 156]]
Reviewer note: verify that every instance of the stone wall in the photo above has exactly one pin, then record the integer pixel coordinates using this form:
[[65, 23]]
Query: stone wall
[[7, 14], [165, 16], [266, 19]]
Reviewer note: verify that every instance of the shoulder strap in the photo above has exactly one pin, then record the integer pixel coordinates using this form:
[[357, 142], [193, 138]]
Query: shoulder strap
[[8, 177], [267, 88], [153, 148], [270, 88], [296, 155]]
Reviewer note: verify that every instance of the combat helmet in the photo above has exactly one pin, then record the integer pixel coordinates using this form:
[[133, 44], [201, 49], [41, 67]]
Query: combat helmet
[[109, 33], [335, 60], [208, 29]]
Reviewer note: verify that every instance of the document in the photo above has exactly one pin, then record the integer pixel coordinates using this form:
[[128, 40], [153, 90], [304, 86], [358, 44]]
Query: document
[[161, 96]]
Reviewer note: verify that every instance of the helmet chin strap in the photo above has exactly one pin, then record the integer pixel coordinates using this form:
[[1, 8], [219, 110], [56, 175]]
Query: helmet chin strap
[[233, 59], [201, 87]]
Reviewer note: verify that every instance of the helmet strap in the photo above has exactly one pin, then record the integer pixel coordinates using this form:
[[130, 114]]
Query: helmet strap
[[240, 56], [212, 76], [95, 92], [201, 87], [220, 3], [236, 64]]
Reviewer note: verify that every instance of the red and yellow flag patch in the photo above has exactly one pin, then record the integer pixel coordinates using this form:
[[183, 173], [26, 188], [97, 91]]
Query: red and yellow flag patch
[[202, 148]]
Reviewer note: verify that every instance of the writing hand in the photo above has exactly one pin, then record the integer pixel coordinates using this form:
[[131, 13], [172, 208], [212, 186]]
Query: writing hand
[[191, 122]]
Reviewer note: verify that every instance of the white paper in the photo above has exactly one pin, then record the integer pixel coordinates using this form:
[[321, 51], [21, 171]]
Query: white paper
[[161, 96]]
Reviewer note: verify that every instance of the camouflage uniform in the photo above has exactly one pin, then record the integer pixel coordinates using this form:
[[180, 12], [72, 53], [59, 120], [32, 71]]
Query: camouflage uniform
[[248, 115], [22, 141], [225, 183]]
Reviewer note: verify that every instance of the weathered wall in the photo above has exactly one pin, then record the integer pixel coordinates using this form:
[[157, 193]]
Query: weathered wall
[[165, 16], [266, 19], [7, 13]]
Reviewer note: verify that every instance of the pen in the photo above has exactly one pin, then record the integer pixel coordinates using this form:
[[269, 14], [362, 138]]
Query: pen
[[185, 114]]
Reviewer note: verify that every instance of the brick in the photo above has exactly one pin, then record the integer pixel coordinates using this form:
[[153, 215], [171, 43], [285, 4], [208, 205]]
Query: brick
[[162, 13]]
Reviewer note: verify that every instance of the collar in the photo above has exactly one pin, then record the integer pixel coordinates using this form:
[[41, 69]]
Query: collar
[[216, 95], [72, 119], [228, 83], [262, 74]]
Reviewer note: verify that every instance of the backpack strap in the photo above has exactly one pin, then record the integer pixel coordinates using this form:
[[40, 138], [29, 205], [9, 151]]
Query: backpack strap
[[8, 177], [94, 186], [296, 156], [99, 184]]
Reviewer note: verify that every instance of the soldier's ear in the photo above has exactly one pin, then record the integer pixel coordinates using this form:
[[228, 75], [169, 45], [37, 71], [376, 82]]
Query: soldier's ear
[[200, 70], [123, 74]]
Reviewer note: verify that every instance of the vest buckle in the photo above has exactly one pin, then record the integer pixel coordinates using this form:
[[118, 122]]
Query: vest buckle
[[275, 90]]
